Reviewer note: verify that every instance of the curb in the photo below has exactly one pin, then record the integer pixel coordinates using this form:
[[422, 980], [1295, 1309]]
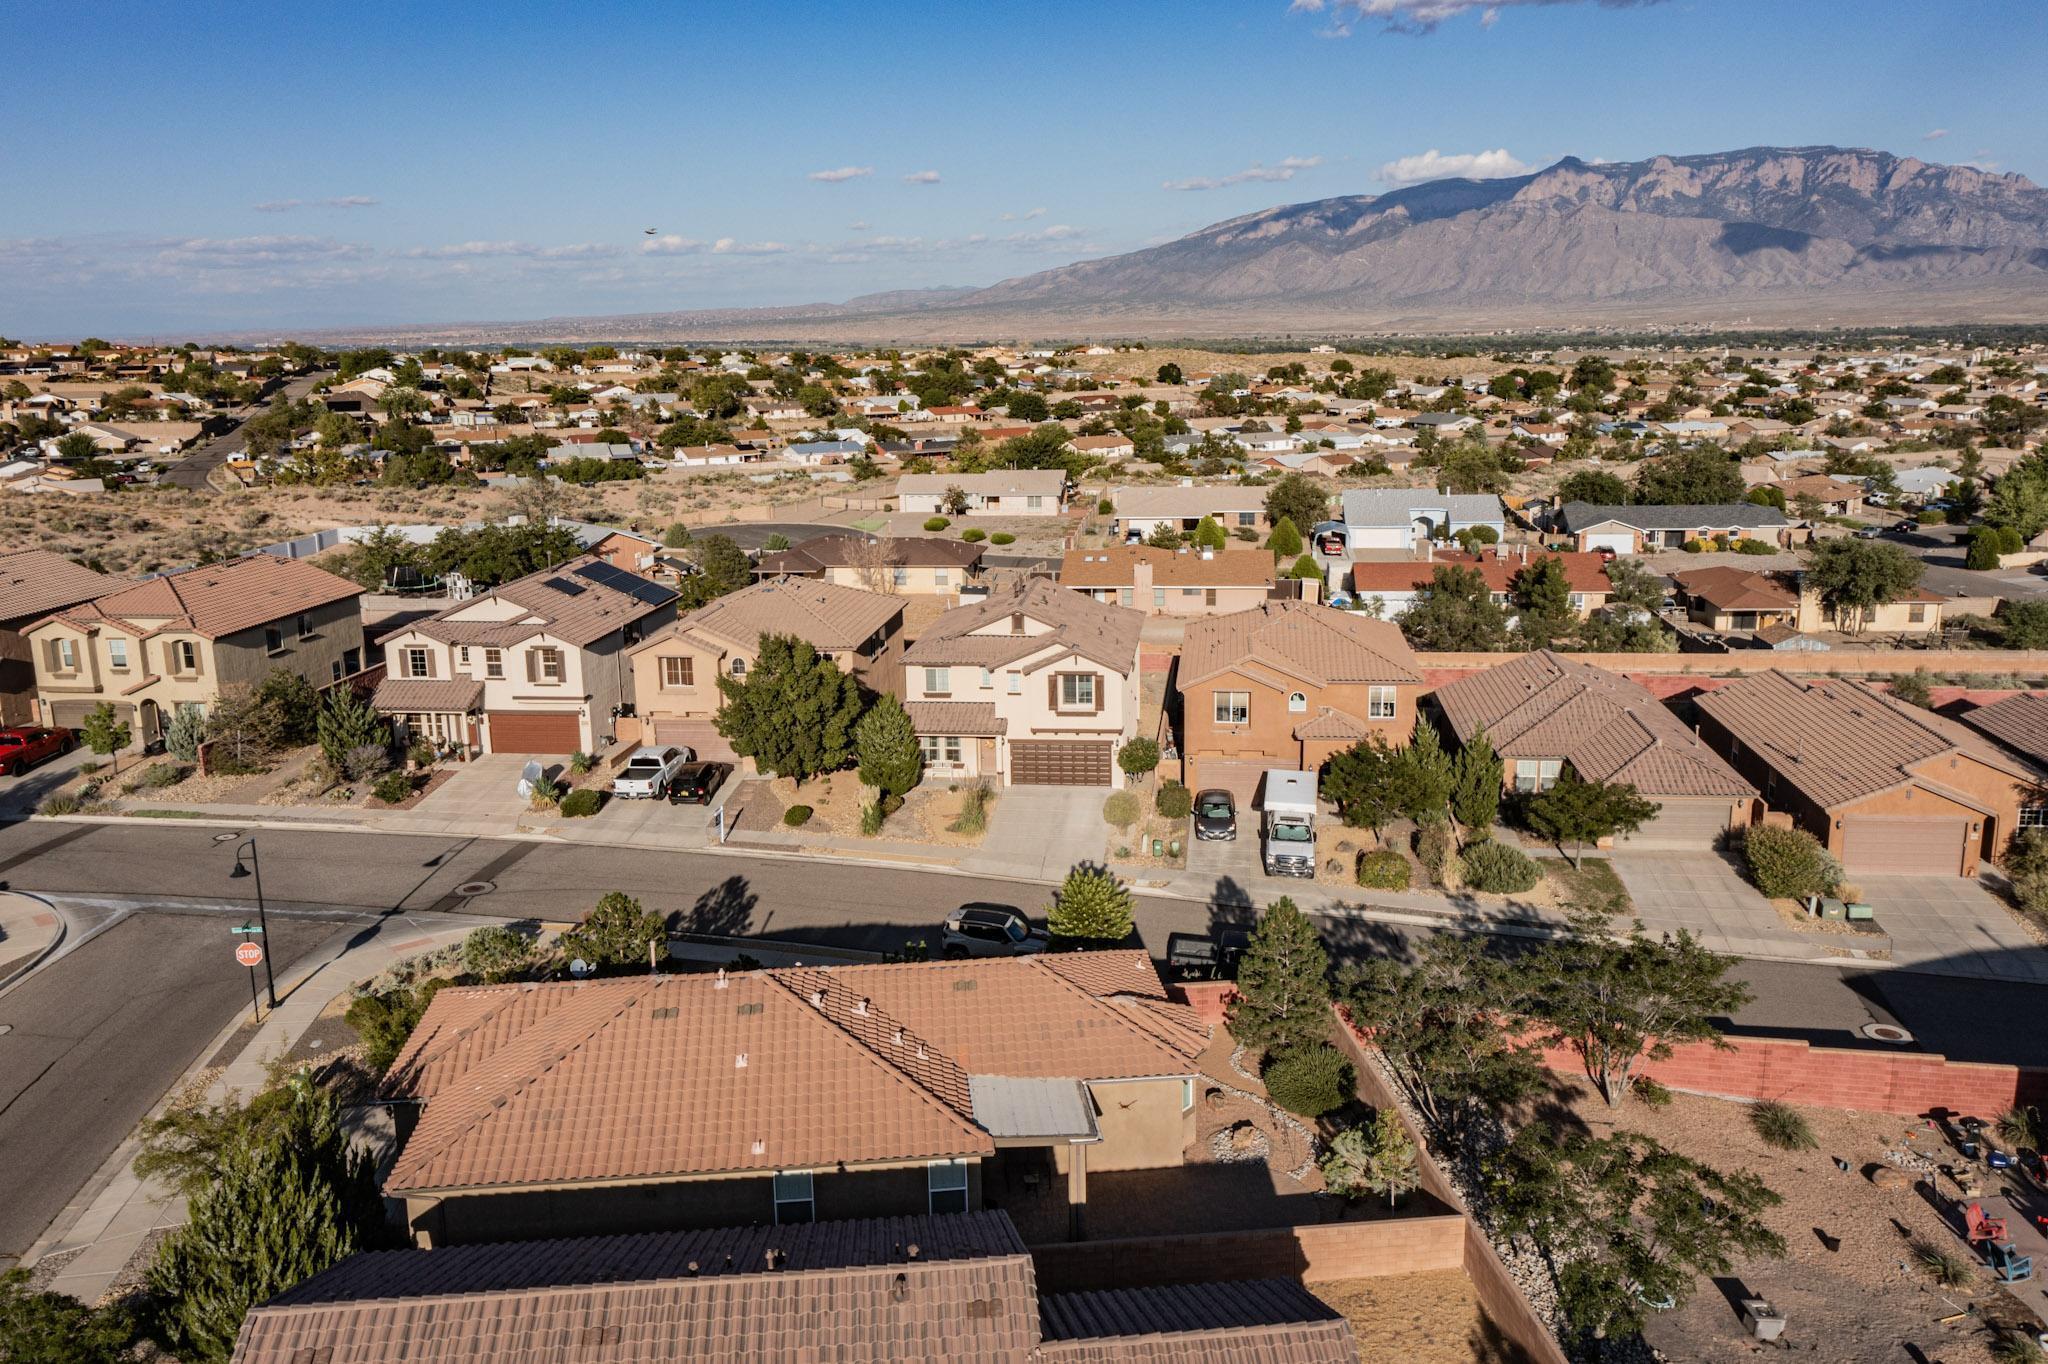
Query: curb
[[49, 949]]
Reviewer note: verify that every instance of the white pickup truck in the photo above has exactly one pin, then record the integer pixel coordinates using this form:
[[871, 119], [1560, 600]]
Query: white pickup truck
[[648, 772], [1287, 824]]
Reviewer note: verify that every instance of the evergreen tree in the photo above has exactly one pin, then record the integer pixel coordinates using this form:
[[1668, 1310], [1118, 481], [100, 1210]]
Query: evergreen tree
[[1476, 784], [1282, 1003], [1456, 614], [891, 760], [1297, 498], [185, 733], [1092, 905], [54, 1328], [1421, 776], [1209, 534], [348, 722], [1543, 600], [794, 712], [1575, 811], [615, 933], [1360, 782], [1285, 541]]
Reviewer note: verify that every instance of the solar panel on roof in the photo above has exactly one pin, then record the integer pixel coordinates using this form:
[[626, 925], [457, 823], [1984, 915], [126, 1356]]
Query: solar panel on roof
[[564, 586]]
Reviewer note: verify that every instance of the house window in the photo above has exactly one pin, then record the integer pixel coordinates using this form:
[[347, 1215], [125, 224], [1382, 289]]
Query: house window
[[678, 672], [1578, 601], [547, 665], [117, 653], [494, 663], [941, 578], [185, 656], [899, 576], [1233, 707], [1536, 774], [1158, 596], [1016, 622], [67, 655], [334, 670], [1077, 691], [2034, 816], [940, 749], [273, 640], [1123, 596], [1379, 703], [739, 667], [938, 681], [1916, 614], [418, 663], [946, 1183], [351, 662], [793, 1197], [988, 679], [305, 627], [1191, 591], [1247, 518], [1209, 596], [1297, 702], [1016, 684]]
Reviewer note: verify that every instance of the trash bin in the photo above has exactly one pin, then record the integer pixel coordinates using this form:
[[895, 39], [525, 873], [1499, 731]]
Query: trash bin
[[1158, 847]]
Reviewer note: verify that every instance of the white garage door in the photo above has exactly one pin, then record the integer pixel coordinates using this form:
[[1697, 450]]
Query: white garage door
[[1903, 845], [1620, 541], [1688, 825]]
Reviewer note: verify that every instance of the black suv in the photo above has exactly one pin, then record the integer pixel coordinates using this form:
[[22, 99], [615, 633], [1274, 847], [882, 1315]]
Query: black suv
[[1215, 816], [697, 783]]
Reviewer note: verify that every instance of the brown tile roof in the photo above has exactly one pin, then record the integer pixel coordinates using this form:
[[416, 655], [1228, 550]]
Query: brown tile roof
[[536, 1084], [1310, 643], [1548, 705], [578, 602], [846, 1291], [844, 551], [824, 614], [1097, 631], [956, 717], [1330, 723], [2019, 722], [1582, 572], [219, 599], [34, 582], [1117, 565], [1727, 588], [1260, 1321], [1837, 741], [414, 695]]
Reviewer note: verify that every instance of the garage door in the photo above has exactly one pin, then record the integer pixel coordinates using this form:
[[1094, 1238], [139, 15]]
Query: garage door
[[1237, 776], [530, 732], [1688, 825], [1903, 845], [1621, 542], [1060, 762], [699, 736]]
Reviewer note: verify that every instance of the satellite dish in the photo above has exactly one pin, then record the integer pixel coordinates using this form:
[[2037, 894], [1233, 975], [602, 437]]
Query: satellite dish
[[580, 967]]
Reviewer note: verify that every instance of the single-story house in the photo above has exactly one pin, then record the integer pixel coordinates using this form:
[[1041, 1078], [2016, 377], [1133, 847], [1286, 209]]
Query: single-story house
[[1398, 584], [904, 565], [1647, 529], [1404, 518], [1171, 582], [1140, 510], [1000, 492]]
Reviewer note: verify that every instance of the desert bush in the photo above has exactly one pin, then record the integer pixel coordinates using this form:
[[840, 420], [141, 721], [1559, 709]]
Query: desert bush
[[936, 523], [88, 767], [1309, 1082], [1384, 869], [366, 762], [974, 536], [871, 818], [59, 805], [1434, 846], [2026, 866], [1138, 757], [581, 803], [1498, 869], [164, 774], [1788, 863], [796, 816], [973, 817], [1694, 546], [392, 787], [1943, 1265], [1749, 546], [581, 762], [1173, 801], [1121, 809], [1002, 537], [1105, 507], [1650, 1092], [495, 953], [1782, 1126]]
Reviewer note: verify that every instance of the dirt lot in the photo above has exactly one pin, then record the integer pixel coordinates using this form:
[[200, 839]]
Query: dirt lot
[[1432, 1318], [1849, 1286], [1144, 364]]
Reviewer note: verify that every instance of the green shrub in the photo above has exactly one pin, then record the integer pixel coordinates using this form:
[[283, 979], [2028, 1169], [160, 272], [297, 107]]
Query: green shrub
[[1309, 1082], [1498, 869], [1747, 545], [1105, 508], [580, 762], [1933, 518], [973, 817], [871, 818], [1002, 537], [495, 954], [581, 803], [1788, 863], [1174, 801], [1383, 869], [1121, 809], [1246, 534], [1943, 1265], [936, 523], [2015, 1346], [546, 792], [164, 774], [1433, 847], [974, 535], [59, 805], [1694, 546], [392, 787], [891, 802], [1138, 757], [796, 816], [1781, 1125], [1650, 1092]]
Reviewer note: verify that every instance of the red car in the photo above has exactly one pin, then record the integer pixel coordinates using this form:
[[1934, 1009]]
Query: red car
[[21, 749]]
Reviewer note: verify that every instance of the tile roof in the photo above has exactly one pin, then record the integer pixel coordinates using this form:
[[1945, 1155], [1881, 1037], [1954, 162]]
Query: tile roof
[[34, 582], [219, 599], [2019, 722], [1117, 565], [1735, 589], [956, 717], [1583, 572], [1260, 1321], [848, 551], [1837, 741], [1311, 643], [578, 602], [1547, 705], [1330, 723], [535, 1084], [418, 695], [1097, 631], [823, 614]]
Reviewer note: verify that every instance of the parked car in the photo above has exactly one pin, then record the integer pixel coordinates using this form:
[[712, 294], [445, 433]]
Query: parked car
[[1907, 527], [1215, 816], [986, 930], [21, 749], [648, 772], [1867, 532], [696, 783]]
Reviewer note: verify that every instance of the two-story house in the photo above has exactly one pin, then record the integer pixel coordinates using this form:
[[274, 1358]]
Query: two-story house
[[33, 583], [1036, 685], [1171, 582], [676, 669], [537, 666], [1286, 685], [165, 643]]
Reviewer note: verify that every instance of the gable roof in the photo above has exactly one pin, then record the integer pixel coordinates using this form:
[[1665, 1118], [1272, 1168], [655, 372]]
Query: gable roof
[[1097, 631], [847, 551], [1309, 643], [824, 614], [1610, 729], [1577, 516], [35, 582], [2019, 722], [1735, 589], [1837, 741], [994, 483], [1384, 507], [1183, 501], [1583, 572], [1116, 565], [527, 1085], [578, 602], [218, 599]]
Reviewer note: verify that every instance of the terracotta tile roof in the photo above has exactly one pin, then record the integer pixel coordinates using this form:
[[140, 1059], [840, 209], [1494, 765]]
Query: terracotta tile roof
[[578, 602], [1727, 588], [219, 599], [535, 1084], [1097, 631], [415, 695], [1310, 643], [1548, 705], [2020, 722], [1583, 572], [824, 614], [956, 717], [1261, 1321], [1836, 741], [34, 582], [847, 551], [1117, 565], [846, 1291], [1330, 723]]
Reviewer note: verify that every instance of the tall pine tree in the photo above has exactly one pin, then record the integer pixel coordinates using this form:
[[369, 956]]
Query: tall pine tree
[[1475, 785], [1283, 987]]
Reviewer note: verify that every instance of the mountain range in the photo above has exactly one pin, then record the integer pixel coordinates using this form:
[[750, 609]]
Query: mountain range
[[1791, 236]]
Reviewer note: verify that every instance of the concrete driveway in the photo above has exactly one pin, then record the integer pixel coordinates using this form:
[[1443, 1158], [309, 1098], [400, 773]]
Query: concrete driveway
[[1704, 894], [1953, 925], [482, 797], [1041, 832]]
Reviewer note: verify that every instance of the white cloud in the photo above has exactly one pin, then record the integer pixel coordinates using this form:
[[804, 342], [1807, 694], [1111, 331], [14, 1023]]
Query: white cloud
[[833, 177], [352, 201], [280, 205], [672, 245], [267, 249], [1023, 217], [859, 225], [1981, 160], [921, 178], [728, 246], [1435, 165], [1934, 135], [1055, 232], [341, 201], [1285, 170], [1423, 16], [511, 249]]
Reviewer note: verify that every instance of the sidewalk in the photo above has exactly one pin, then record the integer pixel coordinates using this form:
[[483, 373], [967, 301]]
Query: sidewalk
[[29, 928], [116, 1213]]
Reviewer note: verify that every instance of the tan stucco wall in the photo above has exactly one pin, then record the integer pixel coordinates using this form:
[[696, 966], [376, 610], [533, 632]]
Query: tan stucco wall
[[1270, 735], [1143, 1123]]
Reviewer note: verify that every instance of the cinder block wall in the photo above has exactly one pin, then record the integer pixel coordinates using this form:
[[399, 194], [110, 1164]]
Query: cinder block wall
[[1315, 1253]]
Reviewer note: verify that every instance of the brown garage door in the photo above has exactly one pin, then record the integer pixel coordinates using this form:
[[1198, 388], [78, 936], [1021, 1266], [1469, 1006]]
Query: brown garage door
[[1239, 776], [699, 736], [1060, 762], [1687, 825], [1903, 845], [533, 732]]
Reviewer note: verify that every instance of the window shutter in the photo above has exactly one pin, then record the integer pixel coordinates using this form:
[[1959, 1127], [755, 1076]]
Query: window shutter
[[1052, 690], [1099, 689], [532, 666], [430, 663]]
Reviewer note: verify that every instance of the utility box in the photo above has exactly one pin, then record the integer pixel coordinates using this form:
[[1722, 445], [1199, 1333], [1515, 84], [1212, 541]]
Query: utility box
[[1762, 1319]]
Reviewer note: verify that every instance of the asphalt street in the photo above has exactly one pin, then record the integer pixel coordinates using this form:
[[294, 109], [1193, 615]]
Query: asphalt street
[[195, 470], [103, 1031]]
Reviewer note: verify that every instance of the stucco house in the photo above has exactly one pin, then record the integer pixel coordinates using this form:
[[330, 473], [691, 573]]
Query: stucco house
[[1142, 510], [1398, 584], [538, 665], [173, 641], [1036, 685], [676, 669], [999, 492], [1647, 529], [909, 565], [33, 583], [1406, 518], [1171, 582], [1737, 600], [1286, 685]]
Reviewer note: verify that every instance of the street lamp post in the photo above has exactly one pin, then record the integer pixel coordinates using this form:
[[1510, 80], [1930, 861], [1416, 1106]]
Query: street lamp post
[[255, 868]]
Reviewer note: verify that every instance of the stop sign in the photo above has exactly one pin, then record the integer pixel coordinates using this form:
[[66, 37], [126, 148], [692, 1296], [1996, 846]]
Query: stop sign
[[249, 953]]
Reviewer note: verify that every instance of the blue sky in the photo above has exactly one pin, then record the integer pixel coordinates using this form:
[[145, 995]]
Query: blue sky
[[196, 168]]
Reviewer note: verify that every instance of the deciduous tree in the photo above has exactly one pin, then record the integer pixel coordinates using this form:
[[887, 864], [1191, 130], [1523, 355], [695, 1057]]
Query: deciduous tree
[[1575, 811]]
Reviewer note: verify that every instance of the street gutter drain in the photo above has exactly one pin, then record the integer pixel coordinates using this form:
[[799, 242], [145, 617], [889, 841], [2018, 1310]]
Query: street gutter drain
[[470, 889], [1886, 1032]]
